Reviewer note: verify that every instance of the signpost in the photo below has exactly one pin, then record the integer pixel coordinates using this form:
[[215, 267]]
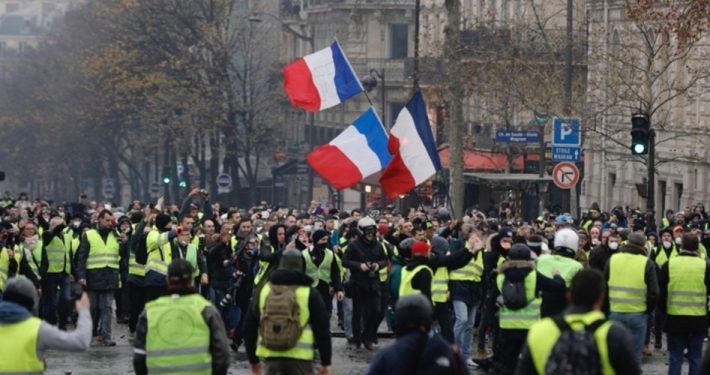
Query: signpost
[[108, 188], [155, 188], [565, 175], [566, 132], [565, 154], [517, 137]]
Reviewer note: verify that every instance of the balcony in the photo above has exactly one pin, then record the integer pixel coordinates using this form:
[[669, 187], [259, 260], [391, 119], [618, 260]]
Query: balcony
[[394, 69]]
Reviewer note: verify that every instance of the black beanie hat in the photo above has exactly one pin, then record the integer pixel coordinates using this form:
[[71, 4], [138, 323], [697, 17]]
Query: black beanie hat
[[317, 235], [161, 221]]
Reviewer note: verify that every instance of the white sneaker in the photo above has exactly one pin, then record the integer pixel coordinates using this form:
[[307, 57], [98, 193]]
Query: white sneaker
[[471, 363]]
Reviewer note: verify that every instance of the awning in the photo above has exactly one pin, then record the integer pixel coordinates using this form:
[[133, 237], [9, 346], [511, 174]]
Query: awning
[[487, 161]]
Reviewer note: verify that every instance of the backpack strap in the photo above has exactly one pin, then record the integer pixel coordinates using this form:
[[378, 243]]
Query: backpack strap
[[564, 326], [595, 325], [561, 323]]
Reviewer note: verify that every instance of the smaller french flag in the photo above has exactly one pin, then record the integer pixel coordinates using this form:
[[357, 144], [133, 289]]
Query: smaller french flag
[[414, 155], [356, 153], [321, 80]]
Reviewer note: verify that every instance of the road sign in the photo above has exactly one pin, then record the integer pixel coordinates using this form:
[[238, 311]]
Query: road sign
[[565, 154], [566, 132], [517, 137], [224, 180], [565, 175], [155, 188], [108, 188]]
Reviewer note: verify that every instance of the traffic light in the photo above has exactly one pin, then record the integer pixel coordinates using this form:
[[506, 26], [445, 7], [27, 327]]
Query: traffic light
[[640, 132], [182, 183], [166, 176]]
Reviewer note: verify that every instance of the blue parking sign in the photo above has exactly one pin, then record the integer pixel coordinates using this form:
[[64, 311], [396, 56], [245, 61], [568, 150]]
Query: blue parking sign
[[566, 132]]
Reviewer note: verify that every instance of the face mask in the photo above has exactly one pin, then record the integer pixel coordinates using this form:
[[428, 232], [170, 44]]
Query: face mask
[[667, 244], [613, 245], [678, 241]]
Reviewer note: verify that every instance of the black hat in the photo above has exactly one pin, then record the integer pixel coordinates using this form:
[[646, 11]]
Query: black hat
[[162, 221], [411, 313], [180, 272], [317, 235], [519, 251]]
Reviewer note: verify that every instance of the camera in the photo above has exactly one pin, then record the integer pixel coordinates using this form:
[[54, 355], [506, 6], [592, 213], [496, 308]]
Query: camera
[[76, 290], [372, 273], [224, 302]]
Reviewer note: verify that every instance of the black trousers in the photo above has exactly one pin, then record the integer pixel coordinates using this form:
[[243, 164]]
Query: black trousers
[[507, 352], [366, 309], [444, 315], [136, 293], [154, 292]]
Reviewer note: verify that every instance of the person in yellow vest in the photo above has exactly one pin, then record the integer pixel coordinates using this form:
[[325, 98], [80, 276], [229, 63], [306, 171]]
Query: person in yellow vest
[[55, 268], [180, 332], [98, 261], [612, 340], [561, 261], [25, 338], [417, 276], [520, 287], [685, 281], [183, 248], [136, 272], [159, 256], [12, 263], [290, 351], [30, 246], [322, 267], [632, 282], [270, 253]]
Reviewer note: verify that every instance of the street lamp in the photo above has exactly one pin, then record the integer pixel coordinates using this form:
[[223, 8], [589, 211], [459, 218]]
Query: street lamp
[[370, 83], [311, 129]]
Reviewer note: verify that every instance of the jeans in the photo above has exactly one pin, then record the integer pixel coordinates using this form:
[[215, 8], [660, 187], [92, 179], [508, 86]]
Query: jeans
[[463, 327], [636, 324], [102, 311], [677, 343], [348, 317], [55, 298]]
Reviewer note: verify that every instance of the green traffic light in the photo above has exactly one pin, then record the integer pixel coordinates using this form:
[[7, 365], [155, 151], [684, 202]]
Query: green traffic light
[[639, 149], [166, 180], [182, 184]]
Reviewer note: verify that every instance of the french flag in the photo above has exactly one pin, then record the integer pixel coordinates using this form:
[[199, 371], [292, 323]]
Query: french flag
[[321, 80], [358, 152], [414, 155]]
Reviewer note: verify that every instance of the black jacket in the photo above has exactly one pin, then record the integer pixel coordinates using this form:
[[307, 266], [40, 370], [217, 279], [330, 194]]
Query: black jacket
[[219, 273], [414, 353], [103, 278], [618, 342], [422, 279], [47, 237], [319, 320], [459, 256], [599, 257], [360, 251], [680, 323]]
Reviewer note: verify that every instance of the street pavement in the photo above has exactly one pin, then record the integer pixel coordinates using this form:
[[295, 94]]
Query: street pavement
[[346, 359]]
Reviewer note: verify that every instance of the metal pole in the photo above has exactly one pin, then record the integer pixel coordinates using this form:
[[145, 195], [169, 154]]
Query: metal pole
[[384, 102], [568, 94], [541, 171], [415, 74], [651, 179], [311, 132]]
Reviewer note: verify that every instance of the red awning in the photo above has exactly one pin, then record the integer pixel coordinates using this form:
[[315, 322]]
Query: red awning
[[478, 160]]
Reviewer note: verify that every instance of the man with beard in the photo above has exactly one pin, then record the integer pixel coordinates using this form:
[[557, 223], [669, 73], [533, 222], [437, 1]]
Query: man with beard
[[365, 258]]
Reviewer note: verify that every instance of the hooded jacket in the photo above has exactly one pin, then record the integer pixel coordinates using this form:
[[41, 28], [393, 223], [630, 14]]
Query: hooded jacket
[[434, 356], [361, 251]]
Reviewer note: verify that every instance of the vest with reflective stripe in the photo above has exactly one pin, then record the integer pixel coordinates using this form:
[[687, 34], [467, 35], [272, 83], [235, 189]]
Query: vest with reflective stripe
[[440, 285], [178, 338], [405, 286], [33, 257], [661, 257], [19, 348], [627, 287], [304, 347], [527, 316], [135, 268], [5, 265], [191, 256], [263, 266], [383, 270], [58, 256], [544, 334], [102, 254], [321, 272], [567, 267], [159, 256], [687, 294], [666, 223], [473, 271]]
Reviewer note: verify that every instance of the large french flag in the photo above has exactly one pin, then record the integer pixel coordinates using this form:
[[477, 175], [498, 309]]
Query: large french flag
[[414, 155], [321, 80], [358, 152]]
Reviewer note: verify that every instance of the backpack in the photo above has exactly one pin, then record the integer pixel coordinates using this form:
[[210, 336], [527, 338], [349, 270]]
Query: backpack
[[280, 324], [513, 293], [575, 351], [139, 247]]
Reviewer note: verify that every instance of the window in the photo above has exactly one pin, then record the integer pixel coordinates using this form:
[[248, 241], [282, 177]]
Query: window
[[11, 7], [398, 41], [678, 193], [662, 196]]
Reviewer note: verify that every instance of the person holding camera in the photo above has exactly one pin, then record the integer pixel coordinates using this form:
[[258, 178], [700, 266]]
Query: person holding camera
[[364, 258], [242, 267], [26, 338], [98, 261]]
